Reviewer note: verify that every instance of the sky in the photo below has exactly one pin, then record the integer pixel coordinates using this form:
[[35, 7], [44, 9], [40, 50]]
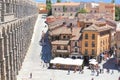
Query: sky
[[108, 1]]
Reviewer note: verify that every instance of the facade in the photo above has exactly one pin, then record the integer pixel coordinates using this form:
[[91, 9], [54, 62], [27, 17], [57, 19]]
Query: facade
[[69, 9], [65, 39], [108, 9], [17, 18], [84, 39], [65, 9], [96, 40], [42, 8], [117, 41]]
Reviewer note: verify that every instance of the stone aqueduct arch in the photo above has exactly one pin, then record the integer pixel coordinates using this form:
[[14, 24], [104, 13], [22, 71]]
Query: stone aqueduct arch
[[15, 38]]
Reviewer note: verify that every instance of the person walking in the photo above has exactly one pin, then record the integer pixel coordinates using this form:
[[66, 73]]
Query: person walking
[[92, 79], [112, 72], [30, 75], [68, 71]]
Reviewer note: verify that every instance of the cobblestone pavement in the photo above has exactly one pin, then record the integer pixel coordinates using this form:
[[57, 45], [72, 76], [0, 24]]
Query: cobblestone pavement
[[33, 64]]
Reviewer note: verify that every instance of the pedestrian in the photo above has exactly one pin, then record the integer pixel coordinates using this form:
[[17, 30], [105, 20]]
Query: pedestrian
[[119, 78], [100, 70], [97, 73], [43, 65], [80, 70], [112, 72], [108, 70], [30, 75], [68, 71], [92, 79]]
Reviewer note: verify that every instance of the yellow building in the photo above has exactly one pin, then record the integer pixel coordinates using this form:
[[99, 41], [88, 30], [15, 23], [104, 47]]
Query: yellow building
[[95, 40]]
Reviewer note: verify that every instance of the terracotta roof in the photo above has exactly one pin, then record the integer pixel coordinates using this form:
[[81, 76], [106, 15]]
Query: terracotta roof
[[76, 37], [61, 30], [96, 28], [66, 4], [91, 28], [60, 42]]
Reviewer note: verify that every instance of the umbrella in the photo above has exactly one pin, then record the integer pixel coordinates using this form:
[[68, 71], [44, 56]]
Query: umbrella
[[92, 60]]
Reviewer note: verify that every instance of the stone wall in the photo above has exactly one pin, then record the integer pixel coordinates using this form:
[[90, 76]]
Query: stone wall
[[16, 29]]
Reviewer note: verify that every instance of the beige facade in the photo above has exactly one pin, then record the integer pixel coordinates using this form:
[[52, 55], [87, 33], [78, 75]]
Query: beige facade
[[65, 40], [96, 40], [65, 9]]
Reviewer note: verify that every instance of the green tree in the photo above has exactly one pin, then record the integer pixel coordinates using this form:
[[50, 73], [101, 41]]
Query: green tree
[[117, 13], [64, 9], [48, 7], [81, 11], [113, 1], [58, 1]]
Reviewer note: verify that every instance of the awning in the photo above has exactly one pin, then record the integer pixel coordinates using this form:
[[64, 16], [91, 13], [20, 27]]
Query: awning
[[67, 61]]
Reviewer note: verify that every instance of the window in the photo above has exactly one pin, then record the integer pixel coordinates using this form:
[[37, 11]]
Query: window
[[93, 44], [68, 37], [58, 47], [106, 41], [93, 36], [71, 14], [86, 36], [87, 25], [64, 37], [55, 9], [103, 42], [100, 43], [86, 51], [76, 50], [93, 52], [76, 9], [59, 9], [86, 44], [65, 47], [75, 43], [71, 9]]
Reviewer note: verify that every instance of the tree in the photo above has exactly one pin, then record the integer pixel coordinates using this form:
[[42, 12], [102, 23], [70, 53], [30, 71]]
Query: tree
[[82, 11], [113, 1], [48, 7], [117, 13], [58, 1], [64, 9]]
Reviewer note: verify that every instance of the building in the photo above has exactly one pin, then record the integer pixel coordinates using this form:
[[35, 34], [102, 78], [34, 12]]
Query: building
[[65, 9], [96, 40], [17, 18], [69, 9], [117, 40], [42, 8], [65, 39], [108, 9], [84, 38]]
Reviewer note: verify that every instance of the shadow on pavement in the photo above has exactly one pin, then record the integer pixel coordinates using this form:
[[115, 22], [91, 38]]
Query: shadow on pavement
[[110, 64], [46, 49]]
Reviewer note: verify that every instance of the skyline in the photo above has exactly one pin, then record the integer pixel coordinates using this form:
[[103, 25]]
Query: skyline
[[107, 1]]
